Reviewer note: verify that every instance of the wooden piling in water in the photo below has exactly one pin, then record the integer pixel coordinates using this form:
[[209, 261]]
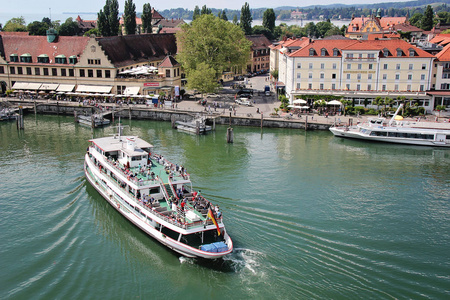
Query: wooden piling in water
[[306, 123]]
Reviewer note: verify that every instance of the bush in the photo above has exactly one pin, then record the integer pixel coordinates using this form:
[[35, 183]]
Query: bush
[[360, 109]]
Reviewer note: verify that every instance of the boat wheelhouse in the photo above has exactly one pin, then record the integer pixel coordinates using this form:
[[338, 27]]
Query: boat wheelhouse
[[157, 196]]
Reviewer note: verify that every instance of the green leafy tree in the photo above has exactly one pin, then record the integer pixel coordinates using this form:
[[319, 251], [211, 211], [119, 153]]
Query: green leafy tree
[[274, 74], [147, 18], [215, 42], [203, 79], [196, 13], [15, 24], [246, 19], [269, 19], [69, 28], [427, 19], [416, 20], [37, 28], [258, 29], [333, 31], [92, 31], [129, 17], [322, 28]]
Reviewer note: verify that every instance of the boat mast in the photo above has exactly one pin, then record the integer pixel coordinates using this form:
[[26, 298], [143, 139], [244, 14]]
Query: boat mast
[[396, 113]]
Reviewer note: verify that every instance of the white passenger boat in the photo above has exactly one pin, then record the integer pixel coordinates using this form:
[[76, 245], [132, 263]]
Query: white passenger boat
[[394, 131], [156, 196], [95, 120], [7, 114]]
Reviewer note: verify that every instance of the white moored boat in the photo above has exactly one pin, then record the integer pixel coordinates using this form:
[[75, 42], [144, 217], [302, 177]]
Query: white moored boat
[[394, 131], [156, 196]]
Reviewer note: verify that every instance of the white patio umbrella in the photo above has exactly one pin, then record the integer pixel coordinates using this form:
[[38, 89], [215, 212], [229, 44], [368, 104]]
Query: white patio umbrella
[[299, 101], [334, 102]]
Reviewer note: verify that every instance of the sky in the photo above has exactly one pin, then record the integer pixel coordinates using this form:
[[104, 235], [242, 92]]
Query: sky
[[19, 7]]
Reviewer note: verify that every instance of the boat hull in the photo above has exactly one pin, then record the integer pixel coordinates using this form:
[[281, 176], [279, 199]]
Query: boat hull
[[100, 184], [353, 134]]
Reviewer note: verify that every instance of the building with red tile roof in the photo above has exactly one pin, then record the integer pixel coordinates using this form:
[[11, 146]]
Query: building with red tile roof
[[87, 61], [260, 53], [360, 27], [358, 70]]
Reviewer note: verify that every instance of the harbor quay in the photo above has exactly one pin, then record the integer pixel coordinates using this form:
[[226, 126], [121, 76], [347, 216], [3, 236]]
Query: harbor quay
[[257, 115]]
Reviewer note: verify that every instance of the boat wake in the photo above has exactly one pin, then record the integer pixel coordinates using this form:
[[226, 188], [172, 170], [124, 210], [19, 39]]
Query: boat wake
[[245, 261]]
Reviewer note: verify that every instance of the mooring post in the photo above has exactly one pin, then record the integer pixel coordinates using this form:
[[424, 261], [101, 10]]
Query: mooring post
[[75, 115], [172, 120], [57, 108], [261, 120], [197, 127], [230, 132], [214, 124], [129, 112], [35, 110], [20, 119], [306, 122]]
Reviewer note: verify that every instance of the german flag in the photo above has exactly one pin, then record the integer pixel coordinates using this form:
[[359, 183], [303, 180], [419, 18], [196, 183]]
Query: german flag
[[211, 216]]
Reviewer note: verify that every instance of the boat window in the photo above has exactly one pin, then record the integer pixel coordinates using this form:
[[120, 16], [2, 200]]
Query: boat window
[[448, 137], [154, 190], [170, 233]]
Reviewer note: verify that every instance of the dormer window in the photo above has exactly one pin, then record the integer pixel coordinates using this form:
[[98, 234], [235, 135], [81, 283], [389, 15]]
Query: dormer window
[[323, 52], [311, 52], [43, 58], [399, 52], [335, 52], [14, 58], [412, 52], [385, 52], [26, 58], [61, 59], [73, 59]]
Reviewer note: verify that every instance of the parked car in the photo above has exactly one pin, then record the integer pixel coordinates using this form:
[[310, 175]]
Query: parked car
[[245, 95], [244, 101], [212, 95]]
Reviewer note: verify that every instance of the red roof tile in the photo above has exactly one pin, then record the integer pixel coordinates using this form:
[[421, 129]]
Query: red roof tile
[[36, 45], [318, 45], [168, 62], [444, 54]]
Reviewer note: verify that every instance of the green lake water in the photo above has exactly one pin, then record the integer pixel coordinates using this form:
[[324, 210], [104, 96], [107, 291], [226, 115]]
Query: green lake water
[[311, 216]]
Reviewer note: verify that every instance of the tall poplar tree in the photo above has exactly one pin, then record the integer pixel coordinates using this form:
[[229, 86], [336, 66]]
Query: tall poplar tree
[[196, 13], [246, 19], [129, 17], [147, 18], [114, 17], [108, 19], [269, 19], [205, 10], [427, 19]]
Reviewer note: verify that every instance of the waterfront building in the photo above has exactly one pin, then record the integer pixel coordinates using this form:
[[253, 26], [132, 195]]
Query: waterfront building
[[260, 53], [104, 65], [358, 70], [441, 93], [290, 45]]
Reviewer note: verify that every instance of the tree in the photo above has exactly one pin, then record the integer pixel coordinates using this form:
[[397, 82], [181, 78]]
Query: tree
[[92, 31], [333, 31], [69, 28], [129, 17], [108, 19], [416, 20], [258, 29], [37, 28], [203, 79], [427, 19], [215, 42], [147, 18], [224, 16], [269, 19], [196, 13], [15, 24], [235, 20], [246, 19], [322, 28], [205, 10]]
